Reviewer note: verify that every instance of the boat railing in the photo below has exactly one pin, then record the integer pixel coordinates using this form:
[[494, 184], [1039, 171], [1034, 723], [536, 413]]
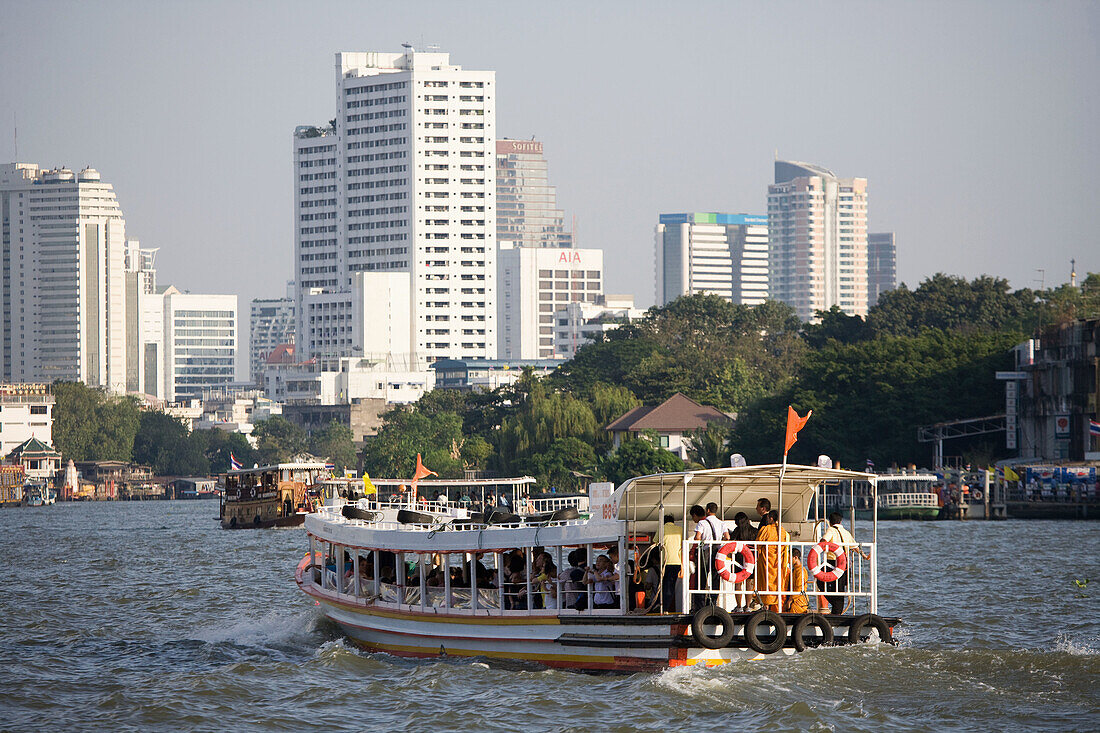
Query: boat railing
[[888, 501], [771, 579]]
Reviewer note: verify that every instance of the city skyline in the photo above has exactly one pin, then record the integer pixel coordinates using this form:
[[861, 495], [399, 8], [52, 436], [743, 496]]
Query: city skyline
[[976, 146]]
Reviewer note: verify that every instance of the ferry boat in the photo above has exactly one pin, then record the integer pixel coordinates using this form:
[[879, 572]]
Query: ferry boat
[[899, 496], [271, 496], [442, 580]]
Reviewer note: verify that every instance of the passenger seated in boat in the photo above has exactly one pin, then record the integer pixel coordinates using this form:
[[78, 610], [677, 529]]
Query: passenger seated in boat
[[515, 583], [797, 603], [773, 563], [605, 582], [546, 577], [572, 586]]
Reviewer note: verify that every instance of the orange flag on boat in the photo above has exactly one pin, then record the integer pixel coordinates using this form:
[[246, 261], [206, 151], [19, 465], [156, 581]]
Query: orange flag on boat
[[421, 471], [794, 424]]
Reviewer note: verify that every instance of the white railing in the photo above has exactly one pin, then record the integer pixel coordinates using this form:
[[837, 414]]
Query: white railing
[[893, 501], [764, 587], [540, 506]]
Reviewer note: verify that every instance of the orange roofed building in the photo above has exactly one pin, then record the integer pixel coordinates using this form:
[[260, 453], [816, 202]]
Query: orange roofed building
[[671, 421]]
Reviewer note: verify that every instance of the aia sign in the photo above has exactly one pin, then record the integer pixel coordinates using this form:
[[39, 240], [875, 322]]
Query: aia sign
[[569, 257]]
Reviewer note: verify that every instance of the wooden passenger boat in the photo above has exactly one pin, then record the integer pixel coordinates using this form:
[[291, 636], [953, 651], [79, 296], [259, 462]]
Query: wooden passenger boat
[[271, 496], [448, 582]]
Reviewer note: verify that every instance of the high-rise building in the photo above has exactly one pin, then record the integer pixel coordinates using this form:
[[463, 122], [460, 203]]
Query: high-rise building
[[711, 253], [527, 212], [817, 227], [200, 343], [403, 182], [534, 282], [271, 324], [63, 287], [882, 265], [141, 287]]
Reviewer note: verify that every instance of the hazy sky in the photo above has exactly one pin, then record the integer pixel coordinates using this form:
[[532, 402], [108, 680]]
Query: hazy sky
[[976, 123]]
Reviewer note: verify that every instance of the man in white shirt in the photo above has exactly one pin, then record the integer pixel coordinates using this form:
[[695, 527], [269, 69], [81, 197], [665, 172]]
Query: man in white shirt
[[704, 555], [842, 537]]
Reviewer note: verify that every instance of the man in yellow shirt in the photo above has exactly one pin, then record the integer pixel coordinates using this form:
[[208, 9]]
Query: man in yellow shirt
[[672, 548]]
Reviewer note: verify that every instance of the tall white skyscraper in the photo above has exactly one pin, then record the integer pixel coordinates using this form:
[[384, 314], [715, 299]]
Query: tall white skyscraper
[[64, 285], [712, 253], [817, 226], [404, 182]]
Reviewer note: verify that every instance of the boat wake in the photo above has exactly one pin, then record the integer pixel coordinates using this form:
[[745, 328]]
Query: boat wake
[[271, 629]]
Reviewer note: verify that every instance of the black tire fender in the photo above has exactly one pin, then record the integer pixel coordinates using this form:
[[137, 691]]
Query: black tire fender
[[817, 621], [875, 622], [770, 618], [406, 516], [699, 620]]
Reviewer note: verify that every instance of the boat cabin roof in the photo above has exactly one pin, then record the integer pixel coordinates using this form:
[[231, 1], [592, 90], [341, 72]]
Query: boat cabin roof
[[311, 466], [647, 499]]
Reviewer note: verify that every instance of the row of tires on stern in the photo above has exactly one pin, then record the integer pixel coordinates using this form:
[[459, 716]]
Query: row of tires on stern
[[766, 632]]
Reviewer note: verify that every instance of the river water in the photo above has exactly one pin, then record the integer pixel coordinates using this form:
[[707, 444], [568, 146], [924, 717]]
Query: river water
[[145, 616]]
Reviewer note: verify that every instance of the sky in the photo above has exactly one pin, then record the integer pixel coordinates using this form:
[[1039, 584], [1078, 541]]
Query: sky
[[975, 123]]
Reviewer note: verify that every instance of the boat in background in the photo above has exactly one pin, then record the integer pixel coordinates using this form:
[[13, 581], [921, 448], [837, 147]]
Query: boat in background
[[272, 496], [900, 496]]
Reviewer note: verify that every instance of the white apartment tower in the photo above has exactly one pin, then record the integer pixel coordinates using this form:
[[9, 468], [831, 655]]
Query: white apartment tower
[[63, 287], [714, 254], [200, 343], [402, 183], [817, 227]]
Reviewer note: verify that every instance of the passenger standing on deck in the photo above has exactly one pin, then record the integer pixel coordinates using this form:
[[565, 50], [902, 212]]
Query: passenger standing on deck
[[773, 562], [763, 506], [704, 555], [840, 536], [797, 603], [673, 549], [743, 531]]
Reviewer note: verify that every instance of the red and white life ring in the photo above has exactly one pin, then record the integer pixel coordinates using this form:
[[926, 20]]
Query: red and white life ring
[[723, 561], [819, 562]]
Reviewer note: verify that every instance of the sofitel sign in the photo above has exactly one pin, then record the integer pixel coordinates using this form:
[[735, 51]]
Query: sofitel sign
[[519, 146]]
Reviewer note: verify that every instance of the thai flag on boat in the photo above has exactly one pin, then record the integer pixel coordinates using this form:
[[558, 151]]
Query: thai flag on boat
[[330, 466], [1094, 428], [234, 464]]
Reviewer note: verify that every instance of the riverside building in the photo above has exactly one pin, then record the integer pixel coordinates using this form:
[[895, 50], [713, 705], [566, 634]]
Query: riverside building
[[882, 265], [200, 343], [403, 183], [63, 291], [817, 229], [271, 323], [714, 254]]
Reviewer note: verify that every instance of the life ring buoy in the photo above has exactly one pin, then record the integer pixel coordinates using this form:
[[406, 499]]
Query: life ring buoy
[[819, 563], [976, 494], [724, 561], [700, 620], [252, 492]]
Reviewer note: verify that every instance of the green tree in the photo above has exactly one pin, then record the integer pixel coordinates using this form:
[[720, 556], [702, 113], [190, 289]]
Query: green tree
[[559, 464], [834, 325], [475, 452], [75, 424], [638, 457], [404, 433], [541, 419], [277, 439], [335, 443], [951, 303], [160, 439], [709, 447], [220, 445]]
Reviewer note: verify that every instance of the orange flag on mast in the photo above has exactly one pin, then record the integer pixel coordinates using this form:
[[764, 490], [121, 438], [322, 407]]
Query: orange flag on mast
[[421, 472], [794, 424]]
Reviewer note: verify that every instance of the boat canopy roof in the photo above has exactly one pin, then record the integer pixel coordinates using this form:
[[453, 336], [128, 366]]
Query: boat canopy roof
[[305, 466], [648, 498]]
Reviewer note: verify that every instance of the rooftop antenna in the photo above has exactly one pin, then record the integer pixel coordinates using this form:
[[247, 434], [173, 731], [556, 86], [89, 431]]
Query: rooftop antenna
[[408, 48]]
